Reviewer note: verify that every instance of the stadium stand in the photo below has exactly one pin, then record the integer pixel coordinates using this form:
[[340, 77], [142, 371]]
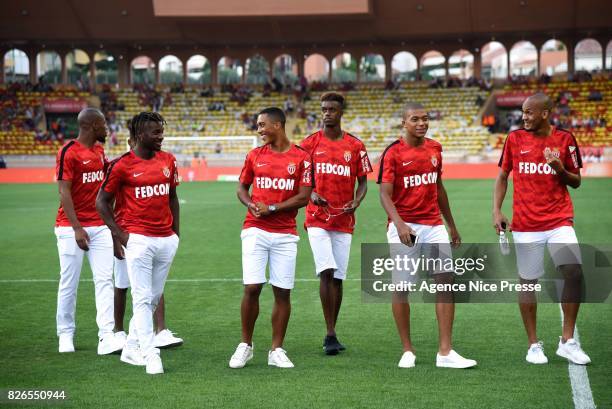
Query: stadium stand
[[373, 113], [581, 106]]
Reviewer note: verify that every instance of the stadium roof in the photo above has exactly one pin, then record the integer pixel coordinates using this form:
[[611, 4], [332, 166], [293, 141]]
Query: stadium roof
[[295, 22]]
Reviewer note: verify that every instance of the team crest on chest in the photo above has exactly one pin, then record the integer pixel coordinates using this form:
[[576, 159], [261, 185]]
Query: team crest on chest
[[434, 161], [347, 156], [554, 152], [291, 168], [166, 172]]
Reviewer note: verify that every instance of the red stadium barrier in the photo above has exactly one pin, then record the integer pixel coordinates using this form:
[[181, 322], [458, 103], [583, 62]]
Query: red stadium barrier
[[451, 171]]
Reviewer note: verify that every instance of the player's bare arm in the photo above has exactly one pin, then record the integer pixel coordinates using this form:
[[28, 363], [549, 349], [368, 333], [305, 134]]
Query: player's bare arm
[[245, 199], [318, 199], [567, 177], [403, 230], [362, 190], [175, 210], [293, 203], [65, 192], [118, 249], [104, 202], [499, 193], [447, 214]]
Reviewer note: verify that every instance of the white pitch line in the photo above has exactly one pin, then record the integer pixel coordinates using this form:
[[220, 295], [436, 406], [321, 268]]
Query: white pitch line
[[579, 379]]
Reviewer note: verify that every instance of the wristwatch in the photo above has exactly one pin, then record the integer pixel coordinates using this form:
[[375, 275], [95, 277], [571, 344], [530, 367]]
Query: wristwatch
[[272, 208]]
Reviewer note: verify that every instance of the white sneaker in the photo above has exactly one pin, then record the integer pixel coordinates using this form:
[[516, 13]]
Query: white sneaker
[[454, 360], [109, 345], [132, 356], [121, 337], [242, 355], [166, 339], [408, 360], [154, 365], [572, 352], [278, 357], [535, 354], [65, 343]]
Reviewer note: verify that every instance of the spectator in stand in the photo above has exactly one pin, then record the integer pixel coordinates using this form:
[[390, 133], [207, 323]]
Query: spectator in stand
[[267, 89], [301, 111], [288, 106], [595, 95], [277, 85], [207, 92]]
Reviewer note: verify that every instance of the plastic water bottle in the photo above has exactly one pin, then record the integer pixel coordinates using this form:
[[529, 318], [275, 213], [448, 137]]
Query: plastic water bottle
[[504, 245]]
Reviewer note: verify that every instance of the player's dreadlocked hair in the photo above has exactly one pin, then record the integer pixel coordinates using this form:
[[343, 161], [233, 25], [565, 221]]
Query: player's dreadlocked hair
[[131, 137], [137, 123]]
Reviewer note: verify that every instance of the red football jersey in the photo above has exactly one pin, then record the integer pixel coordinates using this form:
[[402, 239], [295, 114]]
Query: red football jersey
[[84, 167], [541, 201], [142, 188], [275, 177], [414, 172], [336, 164]]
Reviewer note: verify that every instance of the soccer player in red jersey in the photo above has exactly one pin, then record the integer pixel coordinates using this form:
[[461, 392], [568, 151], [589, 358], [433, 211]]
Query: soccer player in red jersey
[[544, 160], [145, 179], [412, 194], [279, 174], [339, 159], [164, 338], [79, 230]]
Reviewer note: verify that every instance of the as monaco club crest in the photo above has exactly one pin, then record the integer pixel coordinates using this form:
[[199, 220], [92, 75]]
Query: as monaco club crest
[[554, 152], [166, 172], [291, 168], [347, 156], [434, 161]]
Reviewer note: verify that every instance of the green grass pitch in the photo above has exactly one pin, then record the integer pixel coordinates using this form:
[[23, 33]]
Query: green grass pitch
[[206, 315]]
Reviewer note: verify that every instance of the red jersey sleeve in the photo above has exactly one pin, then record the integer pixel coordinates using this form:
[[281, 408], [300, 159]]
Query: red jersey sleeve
[[440, 161], [174, 180], [247, 174], [386, 173], [573, 159], [307, 144], [505, 162], [306, 171], [113, 180], [65, 164], [364, 167]]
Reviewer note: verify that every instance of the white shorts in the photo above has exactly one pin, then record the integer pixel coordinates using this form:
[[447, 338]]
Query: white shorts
[[259, 246], [432, 243], [121, 275], [148, 261], [331, 250], [562, 246]]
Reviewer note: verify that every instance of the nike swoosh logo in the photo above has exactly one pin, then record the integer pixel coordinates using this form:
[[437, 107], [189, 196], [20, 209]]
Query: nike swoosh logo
[[85, 162], [524, 152], [259, 165], [138, 174], [319, 153], [406, 163]]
